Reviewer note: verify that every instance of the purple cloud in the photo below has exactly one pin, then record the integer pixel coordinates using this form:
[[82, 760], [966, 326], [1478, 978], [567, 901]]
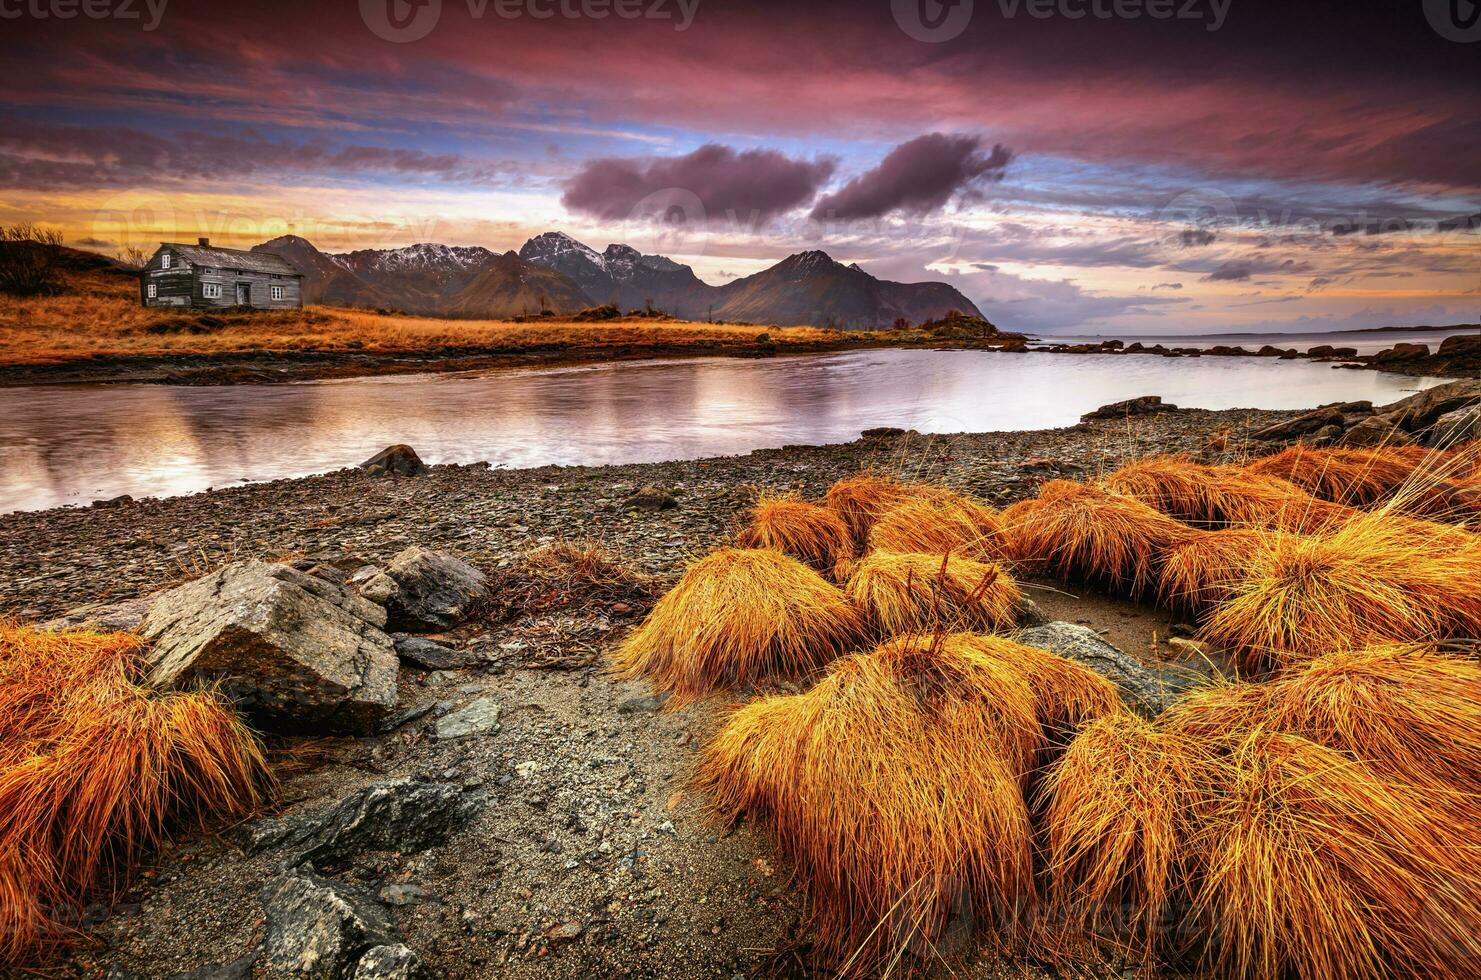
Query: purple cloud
[[917, 177], [752, 185]]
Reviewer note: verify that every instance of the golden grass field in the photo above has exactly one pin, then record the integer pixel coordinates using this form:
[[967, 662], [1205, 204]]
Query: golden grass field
[[100, 316]]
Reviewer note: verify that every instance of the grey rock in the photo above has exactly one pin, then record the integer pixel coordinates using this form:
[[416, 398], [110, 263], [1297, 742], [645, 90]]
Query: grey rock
[[379, 588], [1029, 614], [392, 962], [318, 928], [105, 617], [1302, 424], [398, 815], [479, 717], [650, 498], [1145, 405], [295, 652], [1399, 353], [1455, 427], [1376, 430], [644, 705], [1145, 690], [1420, 410], [401, 459], [433, 590], [403, 894], [433, 655]]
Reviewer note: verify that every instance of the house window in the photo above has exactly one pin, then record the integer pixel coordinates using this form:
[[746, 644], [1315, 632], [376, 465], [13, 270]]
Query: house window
[[277, 292], [164, 260], [211, 290], [153, 290]]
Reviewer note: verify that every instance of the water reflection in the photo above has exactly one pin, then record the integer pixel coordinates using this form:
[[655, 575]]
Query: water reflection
[[74, 443]]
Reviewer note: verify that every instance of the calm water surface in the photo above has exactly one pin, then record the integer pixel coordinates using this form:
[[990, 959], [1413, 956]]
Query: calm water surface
[[72, 444]]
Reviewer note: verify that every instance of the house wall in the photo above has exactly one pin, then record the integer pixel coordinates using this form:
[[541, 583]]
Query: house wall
[[183, 286]]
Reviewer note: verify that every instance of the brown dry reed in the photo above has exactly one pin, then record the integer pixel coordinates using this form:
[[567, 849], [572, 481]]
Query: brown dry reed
[[860, 500], [1085, 532], [1370, 580], [1201, 572], [896, 785], [1223, 496], [940, 523], [94, 772], [917, 593], [806, 531], [1356, 477], [737, 618]]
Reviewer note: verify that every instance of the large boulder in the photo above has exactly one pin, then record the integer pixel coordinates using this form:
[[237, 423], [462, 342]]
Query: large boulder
[[1455, 427], [1318, 418], [318, 928], [295, 652], [396, 962], [1376, 430], [1399, 353], [1145, 405], [1419, 411], [1460, 345], [426, 590], [1143, 689], [400, 459]]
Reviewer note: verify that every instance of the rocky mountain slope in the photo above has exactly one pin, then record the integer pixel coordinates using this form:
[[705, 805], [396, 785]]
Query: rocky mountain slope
[[555, 272]]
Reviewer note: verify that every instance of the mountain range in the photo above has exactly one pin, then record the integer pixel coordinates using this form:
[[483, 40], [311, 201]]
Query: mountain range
[[555, 272]]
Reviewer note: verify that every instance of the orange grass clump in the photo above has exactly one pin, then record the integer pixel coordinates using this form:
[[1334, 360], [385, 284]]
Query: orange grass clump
[[1219, 496], [940, 524], [1307, 863], [1081, 531], [1116, 806], [860, 500], [803, 530], [1368, 581], [1200, 572], [739, 617], [896, 784], [914, 593], [94, 770], [1357, 477]]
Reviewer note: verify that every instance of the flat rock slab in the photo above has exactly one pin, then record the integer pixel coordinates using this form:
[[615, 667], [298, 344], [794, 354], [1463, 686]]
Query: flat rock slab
[[433, 655], [480, 717], [295, 652]]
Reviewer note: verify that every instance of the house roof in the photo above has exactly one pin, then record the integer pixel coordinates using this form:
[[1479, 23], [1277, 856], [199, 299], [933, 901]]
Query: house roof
[[233, 258]]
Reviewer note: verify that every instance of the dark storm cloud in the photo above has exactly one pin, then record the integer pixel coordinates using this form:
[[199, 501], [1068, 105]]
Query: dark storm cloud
[[753, 185], [917, 177]]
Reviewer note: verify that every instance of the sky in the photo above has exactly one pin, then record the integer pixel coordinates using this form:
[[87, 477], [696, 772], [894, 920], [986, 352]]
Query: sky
[[1073, 166]]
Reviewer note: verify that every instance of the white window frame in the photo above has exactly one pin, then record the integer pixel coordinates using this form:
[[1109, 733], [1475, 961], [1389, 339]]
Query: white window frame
[[277, 292], [164, 260], [211, 290], [153, 291]]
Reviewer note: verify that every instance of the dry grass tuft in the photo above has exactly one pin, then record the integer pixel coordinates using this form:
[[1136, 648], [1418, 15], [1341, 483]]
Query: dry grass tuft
[[896, 784], [1307, 863], [94, 770], [1080, 531], [1116, 808], [1201, 572], [915, 593], [861, 499], [1356, 477], [806, 531], [1368, 581], [1220, 496], [736, 618], [941, 523]]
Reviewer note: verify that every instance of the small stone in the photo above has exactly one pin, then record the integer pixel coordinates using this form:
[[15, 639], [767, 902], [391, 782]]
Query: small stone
[[480, 717]]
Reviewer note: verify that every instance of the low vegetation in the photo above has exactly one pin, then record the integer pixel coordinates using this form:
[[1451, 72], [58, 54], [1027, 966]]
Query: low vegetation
[[96, 770]]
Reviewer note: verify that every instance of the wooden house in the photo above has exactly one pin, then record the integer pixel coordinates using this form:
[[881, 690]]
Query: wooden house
[[203, 277]]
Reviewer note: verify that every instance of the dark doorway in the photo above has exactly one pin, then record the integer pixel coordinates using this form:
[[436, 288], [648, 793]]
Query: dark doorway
[[244, 294]]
